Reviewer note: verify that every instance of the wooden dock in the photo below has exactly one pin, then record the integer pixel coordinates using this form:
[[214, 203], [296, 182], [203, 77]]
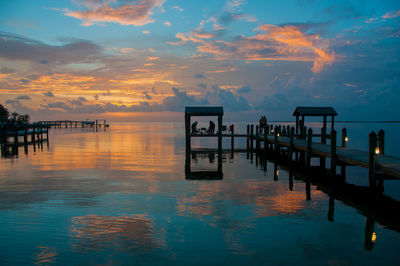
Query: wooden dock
[[281, 140], [13, 136], [76, 123]]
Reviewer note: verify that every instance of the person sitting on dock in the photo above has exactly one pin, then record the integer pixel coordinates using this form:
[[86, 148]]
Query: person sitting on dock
[[194, 128], [211, 128]]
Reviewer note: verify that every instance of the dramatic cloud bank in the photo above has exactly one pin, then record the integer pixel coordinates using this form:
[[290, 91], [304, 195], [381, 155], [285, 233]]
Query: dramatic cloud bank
[[137, 13]]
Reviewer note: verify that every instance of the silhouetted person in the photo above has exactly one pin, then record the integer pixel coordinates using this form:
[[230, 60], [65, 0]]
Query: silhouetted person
[[211, 128], [194, 128]]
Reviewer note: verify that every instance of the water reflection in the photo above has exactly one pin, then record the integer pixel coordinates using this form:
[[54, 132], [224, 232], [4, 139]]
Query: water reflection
[[199, 155], [128, 233], [128, 195], [45, 255]]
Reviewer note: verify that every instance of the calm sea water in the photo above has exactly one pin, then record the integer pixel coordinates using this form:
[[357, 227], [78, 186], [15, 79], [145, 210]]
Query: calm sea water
[[121, 197]]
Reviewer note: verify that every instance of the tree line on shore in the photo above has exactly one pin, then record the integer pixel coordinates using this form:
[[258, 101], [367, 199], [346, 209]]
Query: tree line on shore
[[14, 117]]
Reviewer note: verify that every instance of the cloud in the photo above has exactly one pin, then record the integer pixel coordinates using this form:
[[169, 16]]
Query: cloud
[[273, 43], [167, 23], [178, 8], [23, 97], [244, 89], [15, 47], [199, 76], [146, 32], [231, 102], [147, 96], [392, 14], [137, 13]]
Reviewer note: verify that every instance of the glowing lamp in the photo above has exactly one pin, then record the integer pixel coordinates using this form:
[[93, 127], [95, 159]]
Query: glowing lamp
[[373, 237], [277, 172], [277, 134], [346, 139], [377, 150]]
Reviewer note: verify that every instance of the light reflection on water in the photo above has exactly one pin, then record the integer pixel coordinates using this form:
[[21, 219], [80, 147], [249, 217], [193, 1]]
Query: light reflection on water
[[121, 196]]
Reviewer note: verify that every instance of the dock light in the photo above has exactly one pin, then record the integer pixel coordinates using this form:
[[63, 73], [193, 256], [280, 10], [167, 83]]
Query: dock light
[[346, 139], [272, 131], [373, 237], [278, 134], [277, 172], [377, 150]]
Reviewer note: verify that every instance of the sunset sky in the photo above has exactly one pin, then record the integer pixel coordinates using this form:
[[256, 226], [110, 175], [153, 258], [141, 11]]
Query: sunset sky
[[148, 59]]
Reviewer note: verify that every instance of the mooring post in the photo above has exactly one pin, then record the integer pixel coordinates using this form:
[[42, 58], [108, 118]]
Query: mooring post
[[372, 160], [25, 134], [187, 132], [291, 145], [276, 145], [322, 160], [257, 139], [15, 136], [248, 137], [33, 134], [344, 137], [333, 152], [251, 137], [265, 144], [343, 165], [233, 138], [381, 138], [308, 152]]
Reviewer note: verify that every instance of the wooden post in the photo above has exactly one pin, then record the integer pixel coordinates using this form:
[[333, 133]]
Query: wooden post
[[257, 139], [371, 160], [344, 137], [333, 152], [233, 138], [248, 138], [276, 145], [291, 145], [187, 131], [251, 137], [381, 138], [322, 159], [15, 136], [308, 152], [33, 134], [297, 124], [265, 145], [25, 134]]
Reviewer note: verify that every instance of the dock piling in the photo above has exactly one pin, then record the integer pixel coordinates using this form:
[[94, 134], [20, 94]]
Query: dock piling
[[372, 160], [333, 152]]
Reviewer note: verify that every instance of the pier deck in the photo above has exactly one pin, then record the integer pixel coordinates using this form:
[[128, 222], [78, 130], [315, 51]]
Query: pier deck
[[386, 164]]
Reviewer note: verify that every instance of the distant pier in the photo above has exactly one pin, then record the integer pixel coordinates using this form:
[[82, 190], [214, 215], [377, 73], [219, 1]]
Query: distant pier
[[76, 123]]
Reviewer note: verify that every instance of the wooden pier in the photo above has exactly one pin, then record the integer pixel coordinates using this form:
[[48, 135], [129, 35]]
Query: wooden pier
[[13, 136], [76, 124], [301, 147]]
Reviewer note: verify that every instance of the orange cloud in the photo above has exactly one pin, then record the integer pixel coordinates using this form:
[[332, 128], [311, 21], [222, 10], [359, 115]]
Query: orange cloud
[[392, 14], [137, 14], [286, 43]]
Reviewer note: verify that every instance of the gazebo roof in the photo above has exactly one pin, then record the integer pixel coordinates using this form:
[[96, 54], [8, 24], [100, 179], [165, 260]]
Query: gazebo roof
[[314, 111], [204, 110]]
